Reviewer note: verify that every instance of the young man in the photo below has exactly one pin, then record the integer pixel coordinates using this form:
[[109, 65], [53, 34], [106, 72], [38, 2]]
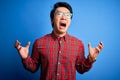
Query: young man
[[58, 54]]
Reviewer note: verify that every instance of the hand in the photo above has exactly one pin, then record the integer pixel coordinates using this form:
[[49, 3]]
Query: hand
[[23, 51], [93, 52]]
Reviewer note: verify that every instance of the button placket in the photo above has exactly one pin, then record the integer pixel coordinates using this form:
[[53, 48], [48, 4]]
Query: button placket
[[59, 63], [59, 52], [60, 42]]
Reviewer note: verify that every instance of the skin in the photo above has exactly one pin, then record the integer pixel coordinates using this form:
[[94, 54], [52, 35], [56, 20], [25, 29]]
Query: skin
[[59, 31]]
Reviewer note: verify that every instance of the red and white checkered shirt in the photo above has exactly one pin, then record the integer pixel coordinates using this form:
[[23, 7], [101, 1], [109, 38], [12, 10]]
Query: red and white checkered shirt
[[58, 58]]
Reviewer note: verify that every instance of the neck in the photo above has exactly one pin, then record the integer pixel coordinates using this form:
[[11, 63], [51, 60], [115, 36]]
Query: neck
[[59, 34]]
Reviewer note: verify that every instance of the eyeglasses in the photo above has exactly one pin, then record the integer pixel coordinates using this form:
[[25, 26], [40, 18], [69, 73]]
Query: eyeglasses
[[68, 15]]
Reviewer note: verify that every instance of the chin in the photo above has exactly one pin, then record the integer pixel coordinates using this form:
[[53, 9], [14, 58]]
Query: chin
[[62, 32]]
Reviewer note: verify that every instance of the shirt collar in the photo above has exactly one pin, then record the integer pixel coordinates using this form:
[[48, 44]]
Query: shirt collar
[[56, 37]]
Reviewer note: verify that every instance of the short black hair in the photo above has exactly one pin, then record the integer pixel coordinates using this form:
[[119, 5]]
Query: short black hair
[[60, 4]]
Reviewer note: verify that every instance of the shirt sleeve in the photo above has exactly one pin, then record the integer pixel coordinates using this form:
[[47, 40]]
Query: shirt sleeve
[[32, 63], [82, 63]]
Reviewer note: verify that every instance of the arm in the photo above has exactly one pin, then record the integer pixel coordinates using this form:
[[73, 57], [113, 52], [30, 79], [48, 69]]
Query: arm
[[94, 52], [30, 63], [84, 64]]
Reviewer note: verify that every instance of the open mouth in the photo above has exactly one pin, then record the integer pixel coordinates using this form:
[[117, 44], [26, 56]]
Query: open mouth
[[63, 24]]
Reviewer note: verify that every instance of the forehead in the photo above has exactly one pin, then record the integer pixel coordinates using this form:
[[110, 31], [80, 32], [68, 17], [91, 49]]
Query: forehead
[[63, 9]]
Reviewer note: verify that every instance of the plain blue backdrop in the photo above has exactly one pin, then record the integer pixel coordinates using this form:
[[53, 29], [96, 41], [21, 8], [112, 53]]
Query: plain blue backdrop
[[93, 21]]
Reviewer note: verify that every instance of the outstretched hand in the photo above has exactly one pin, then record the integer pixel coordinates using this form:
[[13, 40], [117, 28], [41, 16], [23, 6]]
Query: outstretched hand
[[93, 52], [23, 51]]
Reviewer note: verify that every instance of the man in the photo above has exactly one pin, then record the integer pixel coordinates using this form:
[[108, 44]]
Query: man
[[58, 54]]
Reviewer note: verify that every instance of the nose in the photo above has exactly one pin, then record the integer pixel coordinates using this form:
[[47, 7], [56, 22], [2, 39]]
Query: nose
[[63, 16]]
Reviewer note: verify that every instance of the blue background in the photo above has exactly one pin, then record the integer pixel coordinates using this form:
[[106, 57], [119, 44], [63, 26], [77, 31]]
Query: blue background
[[93, 21]]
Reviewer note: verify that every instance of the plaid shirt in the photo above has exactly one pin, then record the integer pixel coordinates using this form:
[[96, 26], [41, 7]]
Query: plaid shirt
[[58, 58]]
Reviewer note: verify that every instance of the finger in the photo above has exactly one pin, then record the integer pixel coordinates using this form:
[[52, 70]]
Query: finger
[[100, 45], [97, 48], [17, 43], [89, 45], [28, 44], [19, 48]]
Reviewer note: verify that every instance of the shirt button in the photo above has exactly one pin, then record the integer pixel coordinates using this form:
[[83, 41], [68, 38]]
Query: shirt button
[[58, 62], [58, 74], [60, 41], [59, 51]]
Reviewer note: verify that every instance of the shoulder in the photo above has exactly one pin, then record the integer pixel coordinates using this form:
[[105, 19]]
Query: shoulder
[[76, 42], [42, 39], [73, 38]]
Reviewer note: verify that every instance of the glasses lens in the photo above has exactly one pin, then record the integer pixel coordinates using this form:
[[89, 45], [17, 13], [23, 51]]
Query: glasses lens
[[59, 13], [67, 14]]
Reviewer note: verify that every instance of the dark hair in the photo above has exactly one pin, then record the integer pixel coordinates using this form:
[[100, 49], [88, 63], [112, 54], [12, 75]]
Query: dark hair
[[60, 4]]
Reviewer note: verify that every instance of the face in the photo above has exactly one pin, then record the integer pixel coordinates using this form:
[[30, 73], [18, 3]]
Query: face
[[62, 20]]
